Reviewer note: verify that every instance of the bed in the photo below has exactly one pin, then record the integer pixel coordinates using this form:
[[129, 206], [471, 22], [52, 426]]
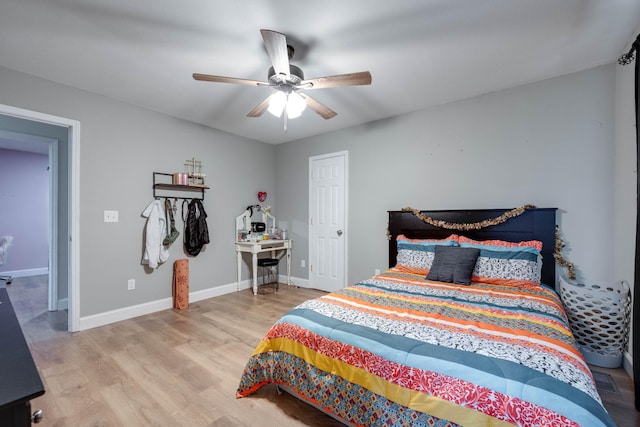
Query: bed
[[399, 349]]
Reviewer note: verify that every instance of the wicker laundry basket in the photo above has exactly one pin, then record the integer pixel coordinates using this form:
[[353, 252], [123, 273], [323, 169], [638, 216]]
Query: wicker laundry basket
[[599, 318]]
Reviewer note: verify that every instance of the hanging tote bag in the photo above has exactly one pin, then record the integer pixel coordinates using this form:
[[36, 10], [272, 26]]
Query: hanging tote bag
[[196, 232]]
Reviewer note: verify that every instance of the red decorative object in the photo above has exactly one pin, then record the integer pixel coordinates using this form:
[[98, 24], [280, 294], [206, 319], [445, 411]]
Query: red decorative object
[[262, 196]]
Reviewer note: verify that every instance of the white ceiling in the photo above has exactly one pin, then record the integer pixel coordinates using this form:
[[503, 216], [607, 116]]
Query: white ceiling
[[420, 53]]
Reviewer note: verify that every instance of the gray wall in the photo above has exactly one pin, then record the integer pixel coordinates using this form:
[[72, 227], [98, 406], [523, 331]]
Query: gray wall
[[121, 146], [549, 143]]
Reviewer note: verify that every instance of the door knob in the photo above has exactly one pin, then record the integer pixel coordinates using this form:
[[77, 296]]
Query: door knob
[[339, 232]]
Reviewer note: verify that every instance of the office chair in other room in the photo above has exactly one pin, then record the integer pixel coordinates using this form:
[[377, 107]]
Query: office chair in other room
[[5, 243]]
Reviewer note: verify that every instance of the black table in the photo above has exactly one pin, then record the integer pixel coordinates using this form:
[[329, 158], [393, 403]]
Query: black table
[[19, 378]]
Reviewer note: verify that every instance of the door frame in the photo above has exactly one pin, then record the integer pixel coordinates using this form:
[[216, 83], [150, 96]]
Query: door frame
[[345, 155], [74, 203]]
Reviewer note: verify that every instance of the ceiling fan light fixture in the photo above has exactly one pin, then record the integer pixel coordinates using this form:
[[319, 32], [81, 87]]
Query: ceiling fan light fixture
[[277, 103], [295, 105]]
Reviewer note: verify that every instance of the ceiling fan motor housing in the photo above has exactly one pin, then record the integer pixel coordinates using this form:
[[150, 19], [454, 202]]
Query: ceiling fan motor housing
[[295, 75]]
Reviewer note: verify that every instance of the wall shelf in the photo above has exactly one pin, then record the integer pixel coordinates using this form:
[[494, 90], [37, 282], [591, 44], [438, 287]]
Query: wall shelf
[[170, 190]]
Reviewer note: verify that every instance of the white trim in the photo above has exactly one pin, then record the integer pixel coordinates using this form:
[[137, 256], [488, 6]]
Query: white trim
[[74, 227], [74, 199], [121, 314], [106, 318], [295, 281], [52, 291], [627, 363]]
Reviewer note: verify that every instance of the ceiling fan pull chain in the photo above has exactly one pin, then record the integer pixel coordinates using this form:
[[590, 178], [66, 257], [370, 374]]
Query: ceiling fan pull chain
[[285, 118]]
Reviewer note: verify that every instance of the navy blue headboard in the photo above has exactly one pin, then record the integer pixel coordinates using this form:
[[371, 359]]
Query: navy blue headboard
[[533, 224]]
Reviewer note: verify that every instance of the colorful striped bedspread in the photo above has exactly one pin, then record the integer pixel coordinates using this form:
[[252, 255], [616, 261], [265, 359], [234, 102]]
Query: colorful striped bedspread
[[399, 350]]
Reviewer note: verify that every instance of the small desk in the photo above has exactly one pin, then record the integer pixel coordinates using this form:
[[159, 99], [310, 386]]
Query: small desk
[[20, 378], [254, 248]]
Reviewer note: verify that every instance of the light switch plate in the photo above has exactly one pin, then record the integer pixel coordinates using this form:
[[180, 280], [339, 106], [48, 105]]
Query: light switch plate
[[110, 216]]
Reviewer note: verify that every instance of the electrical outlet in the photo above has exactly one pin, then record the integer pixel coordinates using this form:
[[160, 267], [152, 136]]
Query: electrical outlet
[[110, 216], [302, 263], [131, 284], [376, 271]]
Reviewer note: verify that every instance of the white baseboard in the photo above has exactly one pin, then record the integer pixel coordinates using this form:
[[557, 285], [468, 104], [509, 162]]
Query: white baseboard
[[106, 318], [295, 281], [627, 364], [25, 273]]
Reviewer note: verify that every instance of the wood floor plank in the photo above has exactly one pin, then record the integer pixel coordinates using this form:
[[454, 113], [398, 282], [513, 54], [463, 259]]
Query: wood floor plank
[[132, 404]]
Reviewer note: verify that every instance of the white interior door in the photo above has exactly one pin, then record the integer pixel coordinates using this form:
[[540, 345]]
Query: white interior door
[[327, 221]]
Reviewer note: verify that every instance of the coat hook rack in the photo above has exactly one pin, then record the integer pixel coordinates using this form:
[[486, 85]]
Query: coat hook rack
[[163, 187]]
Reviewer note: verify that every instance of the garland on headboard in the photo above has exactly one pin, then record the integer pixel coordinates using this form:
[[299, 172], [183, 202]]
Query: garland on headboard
[[470, 226], [571, 272]]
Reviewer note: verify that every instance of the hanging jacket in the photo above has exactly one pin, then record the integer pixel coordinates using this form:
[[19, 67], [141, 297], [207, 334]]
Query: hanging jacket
[[155, 252], [196, 232]]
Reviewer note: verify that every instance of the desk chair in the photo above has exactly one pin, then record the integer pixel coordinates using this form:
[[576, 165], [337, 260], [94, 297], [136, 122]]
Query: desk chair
[[268, 275], [5, 243]]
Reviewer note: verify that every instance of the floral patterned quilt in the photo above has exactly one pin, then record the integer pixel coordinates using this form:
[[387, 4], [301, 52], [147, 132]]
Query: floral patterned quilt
[[399, 350]]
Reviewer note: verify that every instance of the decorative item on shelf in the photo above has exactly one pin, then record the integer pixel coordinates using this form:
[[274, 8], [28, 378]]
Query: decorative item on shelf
[[195, 176], [180, 179]]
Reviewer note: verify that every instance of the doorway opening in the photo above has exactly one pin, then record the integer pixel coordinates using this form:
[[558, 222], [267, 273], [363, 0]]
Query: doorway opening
[[64, 230], [28, 179]]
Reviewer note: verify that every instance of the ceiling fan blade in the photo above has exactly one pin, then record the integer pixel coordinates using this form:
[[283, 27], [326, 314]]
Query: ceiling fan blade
[[260, 108], [276, 44], [222, 79], [351, 79], [324, 111]]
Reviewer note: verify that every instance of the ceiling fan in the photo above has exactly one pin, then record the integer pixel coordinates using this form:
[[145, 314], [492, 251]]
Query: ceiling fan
[[288, 82]]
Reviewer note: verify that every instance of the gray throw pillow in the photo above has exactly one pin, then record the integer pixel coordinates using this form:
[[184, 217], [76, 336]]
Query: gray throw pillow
[[453, 264]]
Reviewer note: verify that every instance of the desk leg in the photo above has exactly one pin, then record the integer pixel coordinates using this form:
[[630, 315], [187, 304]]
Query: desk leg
[[289, 266], [239, 262], [254, 267]]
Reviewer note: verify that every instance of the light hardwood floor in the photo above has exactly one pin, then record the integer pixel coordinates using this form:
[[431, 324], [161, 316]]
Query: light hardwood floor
[[175, 368]]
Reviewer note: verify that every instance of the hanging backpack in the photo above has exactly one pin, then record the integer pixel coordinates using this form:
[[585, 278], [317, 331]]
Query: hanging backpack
[[196, 232]]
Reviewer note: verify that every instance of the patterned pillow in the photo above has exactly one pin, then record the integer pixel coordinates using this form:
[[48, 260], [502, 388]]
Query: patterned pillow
[[416, 255], [506, 263]]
